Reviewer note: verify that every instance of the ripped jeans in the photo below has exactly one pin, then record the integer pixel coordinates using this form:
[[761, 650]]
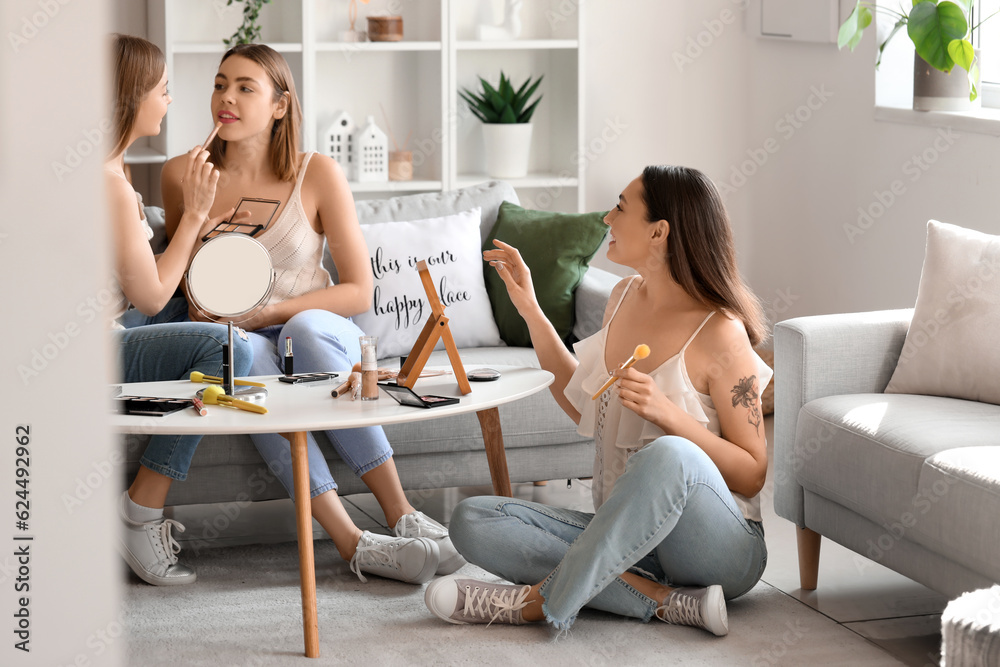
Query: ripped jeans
[[670, 518]]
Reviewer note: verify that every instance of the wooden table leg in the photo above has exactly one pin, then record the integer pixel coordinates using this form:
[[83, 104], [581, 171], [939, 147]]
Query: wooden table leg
[[489, 421], [303, 522]]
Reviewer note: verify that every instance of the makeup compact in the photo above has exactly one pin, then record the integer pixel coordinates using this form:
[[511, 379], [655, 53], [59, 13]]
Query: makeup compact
[[406, 396], [483, 375]]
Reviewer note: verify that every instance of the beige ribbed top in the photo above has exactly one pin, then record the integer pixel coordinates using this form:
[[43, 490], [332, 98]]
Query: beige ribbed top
[[296, 249]]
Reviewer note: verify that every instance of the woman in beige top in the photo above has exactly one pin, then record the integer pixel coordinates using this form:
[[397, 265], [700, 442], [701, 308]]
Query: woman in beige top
[[256, 151]]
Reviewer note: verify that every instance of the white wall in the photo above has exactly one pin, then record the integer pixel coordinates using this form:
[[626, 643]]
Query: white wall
[[790, 215], [655, 95], [55, 351]]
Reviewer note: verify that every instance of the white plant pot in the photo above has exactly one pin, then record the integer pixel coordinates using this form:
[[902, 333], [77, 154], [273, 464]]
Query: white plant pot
[[508, 147], [933, 90]]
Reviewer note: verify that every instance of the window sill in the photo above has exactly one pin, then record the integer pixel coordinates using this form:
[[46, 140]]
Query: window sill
[[979, 121]]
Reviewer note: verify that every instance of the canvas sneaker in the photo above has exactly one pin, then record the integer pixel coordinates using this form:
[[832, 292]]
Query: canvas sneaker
[[413, 560], [151, 551], [418, 524], [701, 607], [462, 600]]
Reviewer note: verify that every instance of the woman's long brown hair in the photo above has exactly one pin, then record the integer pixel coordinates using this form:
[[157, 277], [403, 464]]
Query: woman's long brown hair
[[283, 151], [139, 67], [702, 256]]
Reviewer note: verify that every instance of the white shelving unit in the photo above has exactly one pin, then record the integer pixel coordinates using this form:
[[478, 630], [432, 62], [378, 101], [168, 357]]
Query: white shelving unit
[[415, 81]]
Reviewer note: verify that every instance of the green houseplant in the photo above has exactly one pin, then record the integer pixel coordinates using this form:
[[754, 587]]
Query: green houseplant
[[249, 32], [940, 32], [506, 114]]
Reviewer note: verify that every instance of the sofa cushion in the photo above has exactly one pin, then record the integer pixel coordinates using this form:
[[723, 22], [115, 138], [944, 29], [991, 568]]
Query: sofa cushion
[[867, 451], [399, 309], [557, 247], [950, 349], [958, 506], [486, 196]]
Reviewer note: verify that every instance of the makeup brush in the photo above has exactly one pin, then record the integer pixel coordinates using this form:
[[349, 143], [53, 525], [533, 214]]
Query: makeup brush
[[346, 386], [215, 131], [641, 352], [211, 379]]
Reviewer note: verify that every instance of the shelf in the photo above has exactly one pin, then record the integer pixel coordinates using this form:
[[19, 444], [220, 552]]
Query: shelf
[[395, 186], [979, 121], [361, 47], [517, 44], [218, 48], [144, 155], [532, 180]]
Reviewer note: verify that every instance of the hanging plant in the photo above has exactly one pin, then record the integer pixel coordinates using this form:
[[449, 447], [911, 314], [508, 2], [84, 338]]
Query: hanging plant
[[249, 32]]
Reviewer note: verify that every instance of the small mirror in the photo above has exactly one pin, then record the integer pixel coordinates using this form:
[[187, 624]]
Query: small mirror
[[229, 277]]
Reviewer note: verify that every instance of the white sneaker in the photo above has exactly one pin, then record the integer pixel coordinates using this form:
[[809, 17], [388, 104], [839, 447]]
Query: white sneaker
[[461, 600], [700, 607], [412, 560], [151, 551], [418, 524]]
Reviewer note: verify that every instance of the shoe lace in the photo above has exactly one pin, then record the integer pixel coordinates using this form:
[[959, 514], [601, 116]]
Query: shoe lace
[[503, 603], [416, 524], [170, 546], [383, 555], [681, 609]]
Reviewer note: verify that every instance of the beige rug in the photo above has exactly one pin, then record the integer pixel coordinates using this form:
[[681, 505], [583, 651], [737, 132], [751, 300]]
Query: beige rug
[[245, 610]]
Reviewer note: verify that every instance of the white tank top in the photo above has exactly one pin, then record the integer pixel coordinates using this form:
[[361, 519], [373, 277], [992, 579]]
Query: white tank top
[[119, 303], [618, 432]]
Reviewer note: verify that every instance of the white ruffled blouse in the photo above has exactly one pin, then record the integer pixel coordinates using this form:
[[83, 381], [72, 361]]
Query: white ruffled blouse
[[618, 432]]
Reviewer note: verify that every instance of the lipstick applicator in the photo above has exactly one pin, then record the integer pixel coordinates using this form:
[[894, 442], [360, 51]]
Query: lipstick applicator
[[289, 365]]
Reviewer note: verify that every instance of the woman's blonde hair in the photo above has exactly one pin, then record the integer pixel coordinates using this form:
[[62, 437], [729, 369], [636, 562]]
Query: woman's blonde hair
[[284, 148], [139, 66]]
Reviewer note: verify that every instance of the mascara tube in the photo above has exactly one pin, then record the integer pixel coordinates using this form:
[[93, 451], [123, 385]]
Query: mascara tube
[[289, 365]]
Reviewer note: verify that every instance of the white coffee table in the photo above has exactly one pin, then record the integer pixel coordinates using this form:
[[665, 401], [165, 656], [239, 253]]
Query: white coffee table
[[294, 410]]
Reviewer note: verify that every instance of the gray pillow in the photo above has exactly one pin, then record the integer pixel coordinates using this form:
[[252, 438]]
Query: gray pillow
[[951, 346]]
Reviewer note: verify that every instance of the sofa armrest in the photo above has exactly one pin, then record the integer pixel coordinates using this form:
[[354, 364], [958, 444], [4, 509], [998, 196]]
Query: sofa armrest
[[826, 355], [591, 298]]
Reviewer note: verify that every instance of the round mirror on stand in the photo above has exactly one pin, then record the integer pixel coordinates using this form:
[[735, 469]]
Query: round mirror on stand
[[229, 280]]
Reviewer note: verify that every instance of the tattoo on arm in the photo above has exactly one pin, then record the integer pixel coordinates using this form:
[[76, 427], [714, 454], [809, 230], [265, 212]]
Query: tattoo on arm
[[745, 394]]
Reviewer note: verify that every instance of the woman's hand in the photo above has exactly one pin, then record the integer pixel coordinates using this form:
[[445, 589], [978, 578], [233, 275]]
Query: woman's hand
[[515, 275], [198, 184], [639, 393]]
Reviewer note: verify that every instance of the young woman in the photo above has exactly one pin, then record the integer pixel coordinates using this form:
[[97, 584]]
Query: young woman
[[257, 154], [149, 348], [681, 454]]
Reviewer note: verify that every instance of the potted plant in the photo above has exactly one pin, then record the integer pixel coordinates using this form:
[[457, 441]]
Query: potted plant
[[249, 31], [940, 32], [506, 114]]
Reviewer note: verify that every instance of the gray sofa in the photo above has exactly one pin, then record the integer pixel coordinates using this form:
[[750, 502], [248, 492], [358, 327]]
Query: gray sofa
[[912, 482], [540, 440]]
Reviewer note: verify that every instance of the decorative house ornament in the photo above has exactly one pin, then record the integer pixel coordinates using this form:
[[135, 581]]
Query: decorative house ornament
[[509, 29], [340, 141], [371, 151]]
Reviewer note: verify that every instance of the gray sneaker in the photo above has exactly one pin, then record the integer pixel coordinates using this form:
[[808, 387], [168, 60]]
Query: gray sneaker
[[700, 607], [418, 524], [462, 600], [413, 560], [151, 551]]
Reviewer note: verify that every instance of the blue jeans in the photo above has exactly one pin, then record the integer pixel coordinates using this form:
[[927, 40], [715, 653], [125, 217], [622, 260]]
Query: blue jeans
[[166, 347], [321, 341], [670, 518]]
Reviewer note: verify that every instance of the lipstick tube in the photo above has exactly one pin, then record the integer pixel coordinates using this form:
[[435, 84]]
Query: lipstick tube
[[289, 365]]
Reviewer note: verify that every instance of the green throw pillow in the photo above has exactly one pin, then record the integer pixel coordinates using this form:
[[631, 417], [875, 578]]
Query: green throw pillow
[[557, 247]]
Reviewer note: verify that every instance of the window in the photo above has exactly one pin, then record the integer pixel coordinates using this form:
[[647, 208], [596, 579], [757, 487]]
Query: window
[[987, 39]]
